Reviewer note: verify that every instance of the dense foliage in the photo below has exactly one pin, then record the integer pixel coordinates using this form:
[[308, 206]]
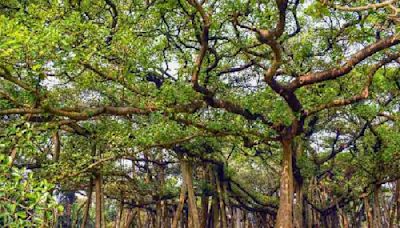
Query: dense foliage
[[24, 201], [207, 113]]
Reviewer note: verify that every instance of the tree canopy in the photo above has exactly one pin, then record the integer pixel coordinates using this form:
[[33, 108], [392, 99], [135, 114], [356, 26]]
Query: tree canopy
[[200, 113]]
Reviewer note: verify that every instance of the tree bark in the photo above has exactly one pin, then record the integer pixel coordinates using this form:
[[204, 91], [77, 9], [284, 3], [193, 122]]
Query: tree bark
[[14, 151], [68, 201], [56, 146], [236, 218], [221, 201], [178, 212], [245, 219], [394, 210], [398, 202], [187, 177], [13, 155], [76, 214], [368, 212], [215, 212], [285, 211], [377, 208], [204, 199], [118, 221], [226, 202], [88, 204], [204, 210], [159, 214], [129, 218], [99, 199], [139, 219], [298, 213]]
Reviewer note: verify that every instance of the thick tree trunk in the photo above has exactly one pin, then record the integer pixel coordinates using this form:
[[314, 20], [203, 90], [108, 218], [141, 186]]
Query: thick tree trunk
[[178, 212], [285, 211], [187, 177]]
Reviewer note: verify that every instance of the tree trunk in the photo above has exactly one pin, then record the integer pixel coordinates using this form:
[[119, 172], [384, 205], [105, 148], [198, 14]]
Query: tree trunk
[[88, 205], [395, 205], [68, 200], [129, 218], [165, 215], [139, 219], [398, 202], [298, 213], [159, 214], [76, 214], [368, 212], [13, 152], [187, 177], [204, 199], [120, 212], [204, 210], [285, 211], [99, 199], [377, 208], [226, 202], [221, 201], [188, 220], [182, 222], [245, 219], [178, 212], [13, 155], [236, 218], [215, 212], [56, 146], [345, 220]]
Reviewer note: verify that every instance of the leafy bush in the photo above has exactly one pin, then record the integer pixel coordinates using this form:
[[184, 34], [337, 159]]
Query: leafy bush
[[24, 200]]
